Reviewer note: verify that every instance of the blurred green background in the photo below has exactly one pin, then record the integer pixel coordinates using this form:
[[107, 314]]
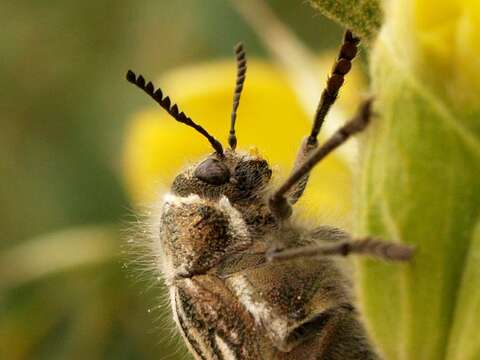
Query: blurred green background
[[66, 291]]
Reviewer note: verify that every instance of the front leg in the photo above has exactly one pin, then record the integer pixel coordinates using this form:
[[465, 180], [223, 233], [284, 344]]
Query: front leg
[[369, 246], [328, 233]]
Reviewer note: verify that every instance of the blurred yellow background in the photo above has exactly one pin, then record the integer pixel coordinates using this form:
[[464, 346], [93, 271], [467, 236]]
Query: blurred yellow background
[[67, 182]]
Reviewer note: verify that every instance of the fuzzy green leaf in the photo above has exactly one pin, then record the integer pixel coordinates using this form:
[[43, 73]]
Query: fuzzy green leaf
[[363, 17], [421, 185]]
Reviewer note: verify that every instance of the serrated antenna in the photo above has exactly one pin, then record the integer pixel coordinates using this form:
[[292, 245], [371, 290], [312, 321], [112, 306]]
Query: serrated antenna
[[241, 71], [165, 102], [342, 66]]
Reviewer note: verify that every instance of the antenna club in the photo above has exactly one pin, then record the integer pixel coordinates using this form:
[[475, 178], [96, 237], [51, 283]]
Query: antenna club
[[341, 68]]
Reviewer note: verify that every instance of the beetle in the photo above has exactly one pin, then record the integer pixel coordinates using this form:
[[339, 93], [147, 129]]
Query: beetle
[[245, 280]]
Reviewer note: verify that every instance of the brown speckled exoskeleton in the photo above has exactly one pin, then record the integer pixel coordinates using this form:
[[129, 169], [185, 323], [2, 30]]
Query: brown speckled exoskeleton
[[246, 281]]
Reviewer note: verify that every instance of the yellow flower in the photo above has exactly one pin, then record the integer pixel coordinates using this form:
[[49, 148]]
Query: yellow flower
[[442, 40], [270, 118]]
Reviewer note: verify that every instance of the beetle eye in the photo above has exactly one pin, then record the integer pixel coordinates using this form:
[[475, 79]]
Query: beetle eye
[[213, 172]]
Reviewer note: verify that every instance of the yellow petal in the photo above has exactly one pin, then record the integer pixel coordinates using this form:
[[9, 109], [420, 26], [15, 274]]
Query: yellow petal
[[442, 38]]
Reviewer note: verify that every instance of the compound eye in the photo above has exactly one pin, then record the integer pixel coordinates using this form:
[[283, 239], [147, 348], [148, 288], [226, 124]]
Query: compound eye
[[213, 172]]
